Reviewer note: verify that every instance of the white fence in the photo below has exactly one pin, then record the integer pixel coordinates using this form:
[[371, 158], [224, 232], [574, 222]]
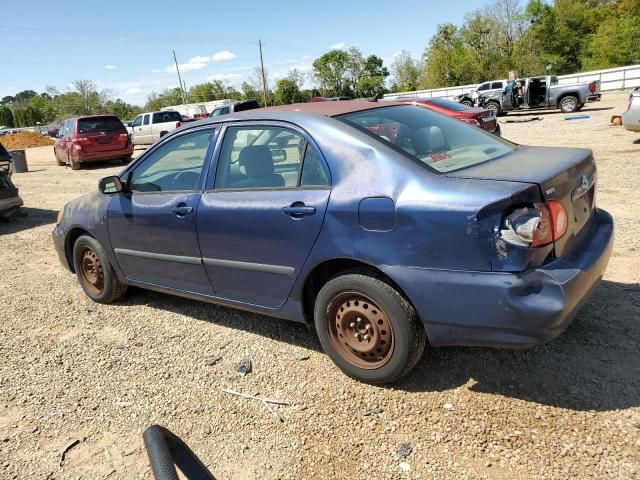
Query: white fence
[[610, 79]]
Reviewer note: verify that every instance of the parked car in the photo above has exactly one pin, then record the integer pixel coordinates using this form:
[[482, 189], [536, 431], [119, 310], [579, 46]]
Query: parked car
[[150, 126], [631, 118], [10, 200], [329, 99], [469, 98], [540, 92], [90, 139], [239, 106], [380, 223], [478, 117]]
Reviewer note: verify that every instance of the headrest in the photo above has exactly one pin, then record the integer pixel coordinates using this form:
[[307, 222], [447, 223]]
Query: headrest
[[256, 160]]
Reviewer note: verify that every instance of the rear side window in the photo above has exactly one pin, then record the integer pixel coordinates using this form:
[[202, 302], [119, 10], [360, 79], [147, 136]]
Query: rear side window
[[99, 124], [166, 117], [496, 85]]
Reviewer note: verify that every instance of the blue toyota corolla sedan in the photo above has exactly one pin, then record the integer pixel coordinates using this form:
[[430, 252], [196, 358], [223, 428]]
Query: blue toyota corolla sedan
[[383, 225]]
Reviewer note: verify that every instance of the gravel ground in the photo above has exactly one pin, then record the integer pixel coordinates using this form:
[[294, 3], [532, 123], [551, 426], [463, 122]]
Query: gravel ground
[[74, 370]]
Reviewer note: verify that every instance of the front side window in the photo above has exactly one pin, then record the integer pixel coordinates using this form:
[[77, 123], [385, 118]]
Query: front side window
[[496, 86], [176, 166], [484, 86], [146, 119], [138, 121], [441, 143], [265, 157]]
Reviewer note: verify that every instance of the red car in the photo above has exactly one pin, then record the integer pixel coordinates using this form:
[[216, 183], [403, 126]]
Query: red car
[[478, 117], [92, 138]]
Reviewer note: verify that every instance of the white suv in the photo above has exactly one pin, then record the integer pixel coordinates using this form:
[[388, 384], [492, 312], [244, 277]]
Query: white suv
[[149, 127], [469, 98]]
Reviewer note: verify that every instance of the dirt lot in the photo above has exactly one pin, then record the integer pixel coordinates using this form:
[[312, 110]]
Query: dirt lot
[[74, 370], [25, 140]]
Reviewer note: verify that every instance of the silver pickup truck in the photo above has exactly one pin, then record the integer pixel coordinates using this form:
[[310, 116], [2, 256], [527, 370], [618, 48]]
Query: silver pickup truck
[[538, 93]]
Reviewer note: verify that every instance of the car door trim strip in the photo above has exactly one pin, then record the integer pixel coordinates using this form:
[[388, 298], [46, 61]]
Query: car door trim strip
[[256, 267], [159, 256]]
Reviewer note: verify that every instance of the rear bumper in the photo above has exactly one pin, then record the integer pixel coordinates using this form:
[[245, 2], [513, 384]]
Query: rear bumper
[[504, 309], [82, 156], [8, 204], [594, 98]]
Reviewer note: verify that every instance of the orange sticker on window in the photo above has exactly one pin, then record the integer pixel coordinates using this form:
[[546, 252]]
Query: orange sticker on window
[[437, 157]]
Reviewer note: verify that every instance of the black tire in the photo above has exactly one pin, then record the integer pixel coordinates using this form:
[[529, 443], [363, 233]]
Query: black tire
[[74, 165], [406, 336], [494, 107], [467, 103], [569, 104], [127, 160], [60, 164], [109, 289], [579, 107], [162, 134]]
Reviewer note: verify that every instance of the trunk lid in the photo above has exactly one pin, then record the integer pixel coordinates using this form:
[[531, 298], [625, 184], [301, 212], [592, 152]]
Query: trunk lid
[[567, 175], [101, 134]]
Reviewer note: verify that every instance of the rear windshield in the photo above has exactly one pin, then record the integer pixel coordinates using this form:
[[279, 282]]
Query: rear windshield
[[441, 143], [448, 104], [99, 124], [165, 117]]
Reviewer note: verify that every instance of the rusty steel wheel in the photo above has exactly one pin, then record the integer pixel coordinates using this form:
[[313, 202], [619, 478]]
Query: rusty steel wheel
[[359, 330], [91, 270]]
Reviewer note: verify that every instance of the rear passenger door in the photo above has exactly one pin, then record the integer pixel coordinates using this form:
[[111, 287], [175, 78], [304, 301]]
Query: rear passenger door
[[261, 215]]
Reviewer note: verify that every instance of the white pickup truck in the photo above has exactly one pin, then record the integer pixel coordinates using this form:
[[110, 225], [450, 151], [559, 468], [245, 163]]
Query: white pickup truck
[[150, 126]]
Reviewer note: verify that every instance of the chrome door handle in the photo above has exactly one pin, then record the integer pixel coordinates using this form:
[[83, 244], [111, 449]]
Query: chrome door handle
[[298, 210], [182, 210]]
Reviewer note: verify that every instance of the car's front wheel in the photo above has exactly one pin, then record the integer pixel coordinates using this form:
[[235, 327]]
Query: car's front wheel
[[369, 330], [95, 272]]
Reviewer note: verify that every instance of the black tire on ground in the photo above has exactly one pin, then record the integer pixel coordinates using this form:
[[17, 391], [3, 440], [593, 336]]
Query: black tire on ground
[[60, 164], [127, 160], [95, 272], [569, 104], [74, 165], [376, 306], [467, 103], [494, 107]]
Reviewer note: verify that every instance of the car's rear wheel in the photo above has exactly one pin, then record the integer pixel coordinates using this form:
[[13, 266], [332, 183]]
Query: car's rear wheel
[[75, 165], [494, 107], [60, 164], [95, 272], [127, 160], [369, 330], [467, 103], [569, 104]]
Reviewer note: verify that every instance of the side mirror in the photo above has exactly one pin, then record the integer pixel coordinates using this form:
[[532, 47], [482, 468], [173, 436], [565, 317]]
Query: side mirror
[[111, 185], [279, 155]]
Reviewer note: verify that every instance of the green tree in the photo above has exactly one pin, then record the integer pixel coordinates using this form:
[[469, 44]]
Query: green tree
[[330, 71], [405, 72], [6, 117], [448, 62]]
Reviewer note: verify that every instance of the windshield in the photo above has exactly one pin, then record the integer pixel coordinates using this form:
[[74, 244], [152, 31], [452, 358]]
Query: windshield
[[441, 143], [99, 124]]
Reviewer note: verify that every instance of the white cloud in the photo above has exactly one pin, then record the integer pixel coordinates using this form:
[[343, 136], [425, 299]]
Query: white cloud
[[194, 63], [223, 56], [337, 46], [225, 77], [110, 67], [307, 57], [156, 70], [133, 91]]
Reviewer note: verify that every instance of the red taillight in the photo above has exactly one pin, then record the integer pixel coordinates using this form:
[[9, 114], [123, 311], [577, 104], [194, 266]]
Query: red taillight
[[471, 121], [536, 226], [592, 87], [81, 140], [559, 218]]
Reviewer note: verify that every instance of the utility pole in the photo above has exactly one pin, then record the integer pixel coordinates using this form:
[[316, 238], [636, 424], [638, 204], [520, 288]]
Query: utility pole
[[264, 79], [184, 99]]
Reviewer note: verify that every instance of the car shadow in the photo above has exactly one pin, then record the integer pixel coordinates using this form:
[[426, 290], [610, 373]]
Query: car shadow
[[593, 365], [27, 218], [526, 113]]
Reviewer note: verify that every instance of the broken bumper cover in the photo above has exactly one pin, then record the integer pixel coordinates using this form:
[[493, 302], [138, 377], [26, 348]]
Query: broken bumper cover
[[510, 310], [9, 201], [58, 237]]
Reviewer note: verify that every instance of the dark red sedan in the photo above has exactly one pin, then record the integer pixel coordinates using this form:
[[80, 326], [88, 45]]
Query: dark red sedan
[[478, 117], [92, 138]]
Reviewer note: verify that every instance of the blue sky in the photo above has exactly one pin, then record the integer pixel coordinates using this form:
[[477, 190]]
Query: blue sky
[[125, 46]]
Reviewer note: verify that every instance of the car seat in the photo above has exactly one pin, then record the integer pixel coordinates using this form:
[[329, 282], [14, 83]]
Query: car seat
[[258, 167]]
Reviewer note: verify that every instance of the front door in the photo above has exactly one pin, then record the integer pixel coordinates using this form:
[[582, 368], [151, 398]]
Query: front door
[[136, 131], [259, 222], [153, 227]]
